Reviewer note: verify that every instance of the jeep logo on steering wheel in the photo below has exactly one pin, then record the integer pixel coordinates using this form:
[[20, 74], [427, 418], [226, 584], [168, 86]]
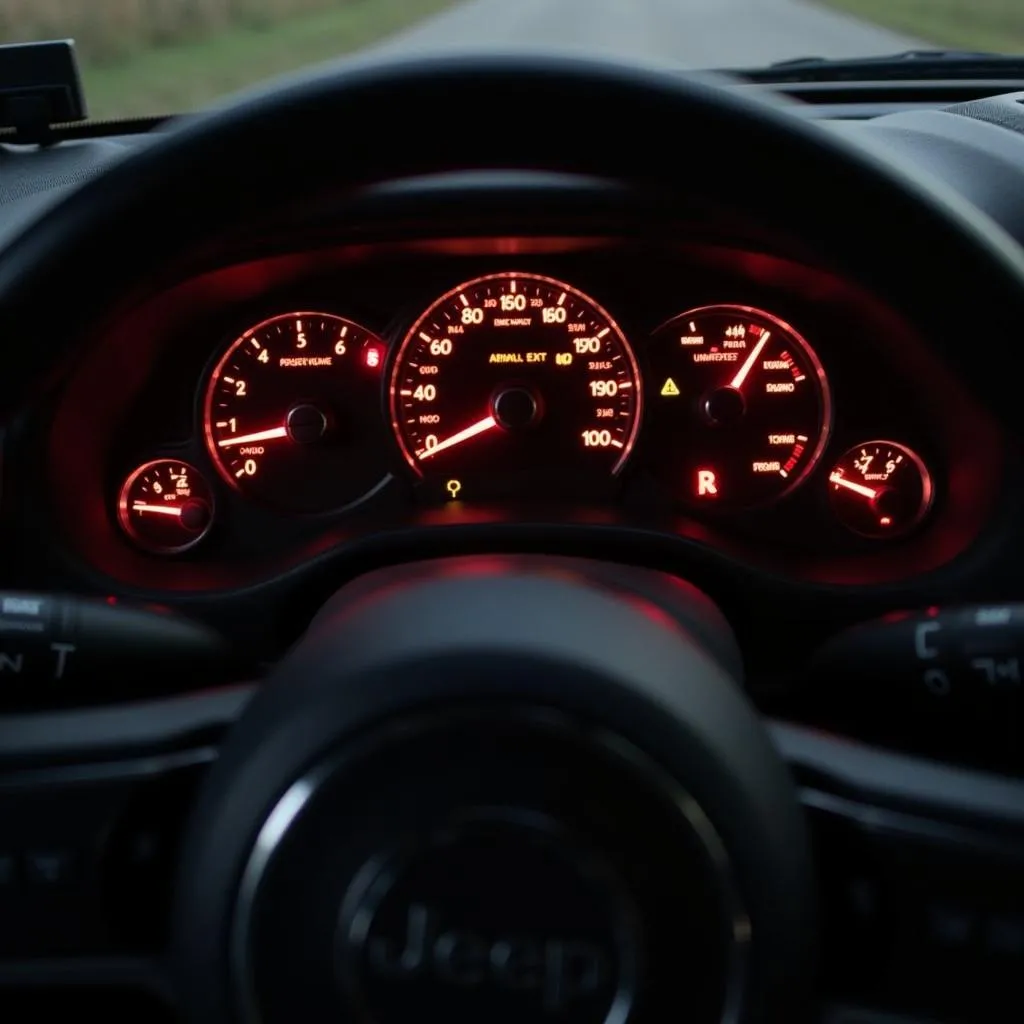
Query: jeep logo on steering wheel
[[556, 971], [492, 924]]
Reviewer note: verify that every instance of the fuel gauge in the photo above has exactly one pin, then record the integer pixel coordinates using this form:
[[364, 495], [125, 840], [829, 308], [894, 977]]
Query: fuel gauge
[[165, 506], [880, 489]]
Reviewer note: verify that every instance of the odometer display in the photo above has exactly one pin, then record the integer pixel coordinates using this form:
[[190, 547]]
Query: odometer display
[[518, 375]]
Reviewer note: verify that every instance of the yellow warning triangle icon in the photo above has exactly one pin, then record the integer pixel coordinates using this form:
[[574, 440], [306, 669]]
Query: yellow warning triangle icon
[[669, 389]]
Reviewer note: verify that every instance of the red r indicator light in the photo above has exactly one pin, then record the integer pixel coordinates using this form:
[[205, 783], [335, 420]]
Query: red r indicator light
[[707, 483]]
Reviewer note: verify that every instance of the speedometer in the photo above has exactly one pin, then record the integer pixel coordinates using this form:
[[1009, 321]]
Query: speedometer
[[518, 375]]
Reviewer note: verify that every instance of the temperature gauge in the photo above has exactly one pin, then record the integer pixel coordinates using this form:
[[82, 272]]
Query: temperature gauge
[[880, 489], [165, 506]]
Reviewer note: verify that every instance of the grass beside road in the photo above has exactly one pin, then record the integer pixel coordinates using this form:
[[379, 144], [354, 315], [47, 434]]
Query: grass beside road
[[996, 25], [182, 77]]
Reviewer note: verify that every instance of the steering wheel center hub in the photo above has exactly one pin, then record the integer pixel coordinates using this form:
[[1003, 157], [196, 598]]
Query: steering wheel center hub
[[455, 862], [543, 800]]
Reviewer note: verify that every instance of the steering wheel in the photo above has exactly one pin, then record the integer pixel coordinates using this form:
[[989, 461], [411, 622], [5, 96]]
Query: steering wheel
[[521, 788]]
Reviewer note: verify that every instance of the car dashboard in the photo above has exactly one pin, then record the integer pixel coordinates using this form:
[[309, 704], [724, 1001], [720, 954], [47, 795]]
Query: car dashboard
[[513, 366], [727, 397], [269, 422]]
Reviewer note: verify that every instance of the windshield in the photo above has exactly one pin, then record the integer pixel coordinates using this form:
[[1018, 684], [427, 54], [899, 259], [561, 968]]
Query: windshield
[[145, 57]]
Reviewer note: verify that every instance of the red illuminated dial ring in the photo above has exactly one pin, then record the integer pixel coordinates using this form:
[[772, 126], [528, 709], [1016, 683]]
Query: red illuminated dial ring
[[742, 404], [880, 489], [518, 376], [292, 413], [165, 506]]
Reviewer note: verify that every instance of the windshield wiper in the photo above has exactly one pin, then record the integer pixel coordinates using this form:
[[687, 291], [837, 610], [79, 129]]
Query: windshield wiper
[[907, 65], [904, 55]]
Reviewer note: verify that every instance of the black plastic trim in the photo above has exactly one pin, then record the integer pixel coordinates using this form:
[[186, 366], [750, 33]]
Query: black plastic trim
[[135, 768], [116, 732], [94, 972], [884, 782]]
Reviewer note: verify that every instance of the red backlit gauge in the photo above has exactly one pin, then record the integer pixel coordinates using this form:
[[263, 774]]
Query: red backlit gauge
[[292, 413], [515, 377], [742, 404], [165, 507], [880, 489]]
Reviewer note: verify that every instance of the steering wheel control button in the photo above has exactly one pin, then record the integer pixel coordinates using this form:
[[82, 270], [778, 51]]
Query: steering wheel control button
[[436, 930], [137, 869], [943, 681], [951, 927], [52, 868], [937, 890]]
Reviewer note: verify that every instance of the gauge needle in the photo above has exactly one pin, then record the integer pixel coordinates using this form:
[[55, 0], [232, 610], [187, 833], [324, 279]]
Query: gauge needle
[[160, 510], [260, 435], [841, 481], [744, 370], [479, 427]]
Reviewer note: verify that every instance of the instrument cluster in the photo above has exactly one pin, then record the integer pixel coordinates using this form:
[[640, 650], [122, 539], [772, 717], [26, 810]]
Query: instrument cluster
[[742, 404]]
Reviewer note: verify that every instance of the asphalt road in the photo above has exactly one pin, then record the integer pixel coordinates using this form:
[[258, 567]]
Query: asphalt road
[[688, 33]]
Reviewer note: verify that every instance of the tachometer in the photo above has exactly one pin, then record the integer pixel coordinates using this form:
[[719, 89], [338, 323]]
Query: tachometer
[[292, 412], [518, 375], [742, 402]]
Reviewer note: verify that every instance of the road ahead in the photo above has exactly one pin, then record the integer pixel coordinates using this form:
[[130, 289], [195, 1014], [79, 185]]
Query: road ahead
[[690, 33]]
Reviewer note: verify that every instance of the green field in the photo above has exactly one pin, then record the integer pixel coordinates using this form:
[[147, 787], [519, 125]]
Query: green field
[[996, 25], [176, 78]]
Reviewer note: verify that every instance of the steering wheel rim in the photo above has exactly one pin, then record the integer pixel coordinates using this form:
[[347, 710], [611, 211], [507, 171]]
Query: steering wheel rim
[[897, 228]]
